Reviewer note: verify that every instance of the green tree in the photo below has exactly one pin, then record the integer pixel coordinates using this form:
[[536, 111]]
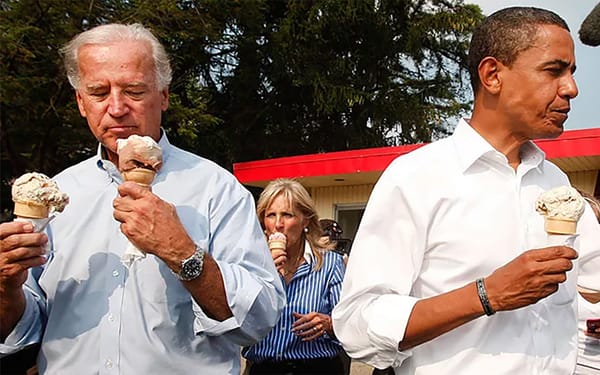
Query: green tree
[[336, 75], [253, 79]]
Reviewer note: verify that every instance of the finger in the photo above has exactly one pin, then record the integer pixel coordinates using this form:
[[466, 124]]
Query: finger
[[15, 227], [312, 334], [306, 325], [559, 265], [279, 259], [123, 203], [23, 264], [309, 331], [22, 253], [133, 190], [21, 240], [300, 319], [120, 216], [302, 327], [554, 252]]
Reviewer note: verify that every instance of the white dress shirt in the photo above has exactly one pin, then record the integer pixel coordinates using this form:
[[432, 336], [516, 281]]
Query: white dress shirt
[[439, 218], [94, 315]]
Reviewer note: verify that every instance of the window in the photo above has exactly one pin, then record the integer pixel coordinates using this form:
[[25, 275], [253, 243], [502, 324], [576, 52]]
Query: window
[[348, 216]]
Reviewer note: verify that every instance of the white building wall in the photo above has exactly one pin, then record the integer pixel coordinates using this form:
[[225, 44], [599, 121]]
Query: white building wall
[[327, 197]]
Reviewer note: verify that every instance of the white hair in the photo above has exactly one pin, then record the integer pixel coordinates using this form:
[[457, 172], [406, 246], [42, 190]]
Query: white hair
[[114, 33]]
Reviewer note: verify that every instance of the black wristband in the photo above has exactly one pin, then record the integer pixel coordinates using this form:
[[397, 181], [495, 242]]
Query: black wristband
[[485, 302]]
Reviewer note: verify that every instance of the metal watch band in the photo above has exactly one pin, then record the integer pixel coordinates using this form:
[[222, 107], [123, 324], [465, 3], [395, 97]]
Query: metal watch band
[[191, 268]]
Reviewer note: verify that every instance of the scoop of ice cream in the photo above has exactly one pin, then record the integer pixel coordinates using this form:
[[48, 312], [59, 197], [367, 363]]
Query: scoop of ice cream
[[37, 189], [561, 203], [139, 152], [277, 236]]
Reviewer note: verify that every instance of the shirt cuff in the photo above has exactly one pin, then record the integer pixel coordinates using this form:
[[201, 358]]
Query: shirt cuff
[[388, 316], [25, 332], [239, 297]]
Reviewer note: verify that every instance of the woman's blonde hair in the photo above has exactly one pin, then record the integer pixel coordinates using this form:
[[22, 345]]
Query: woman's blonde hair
[[299, 199]]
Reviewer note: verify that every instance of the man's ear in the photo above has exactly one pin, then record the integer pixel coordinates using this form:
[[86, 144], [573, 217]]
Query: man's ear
[[80, 104], [489, 75], [164, 103]]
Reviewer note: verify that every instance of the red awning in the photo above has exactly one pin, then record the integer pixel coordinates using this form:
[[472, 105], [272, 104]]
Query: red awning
[[573, 150]]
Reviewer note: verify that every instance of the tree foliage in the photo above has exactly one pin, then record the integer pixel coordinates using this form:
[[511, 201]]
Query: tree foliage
[[253, 79]]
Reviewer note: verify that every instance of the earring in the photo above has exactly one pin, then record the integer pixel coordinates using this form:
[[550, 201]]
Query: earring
[[305, 229]]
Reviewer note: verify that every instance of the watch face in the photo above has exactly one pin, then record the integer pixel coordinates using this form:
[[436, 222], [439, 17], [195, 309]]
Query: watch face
[[191, 268]]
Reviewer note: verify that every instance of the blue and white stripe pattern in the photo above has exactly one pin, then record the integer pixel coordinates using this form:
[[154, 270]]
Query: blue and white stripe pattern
[[308, 291]]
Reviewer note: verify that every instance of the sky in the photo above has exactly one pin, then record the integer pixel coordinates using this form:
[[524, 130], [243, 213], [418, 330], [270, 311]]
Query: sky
[[585, 108]]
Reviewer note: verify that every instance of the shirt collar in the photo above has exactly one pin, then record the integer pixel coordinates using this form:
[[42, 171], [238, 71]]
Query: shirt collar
[[532, 156], [308, 253], [472, 146]]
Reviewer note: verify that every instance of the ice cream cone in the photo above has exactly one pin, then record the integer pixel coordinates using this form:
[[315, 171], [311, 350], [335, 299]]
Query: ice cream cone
[[277, 245], [31, 210], [36, 196], [141, 176], [555, 225]]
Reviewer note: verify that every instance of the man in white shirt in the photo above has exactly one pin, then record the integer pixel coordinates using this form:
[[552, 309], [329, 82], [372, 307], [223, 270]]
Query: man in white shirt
[[450, 233]]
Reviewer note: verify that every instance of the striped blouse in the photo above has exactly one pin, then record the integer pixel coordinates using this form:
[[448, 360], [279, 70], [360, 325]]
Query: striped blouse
[[308, 291]]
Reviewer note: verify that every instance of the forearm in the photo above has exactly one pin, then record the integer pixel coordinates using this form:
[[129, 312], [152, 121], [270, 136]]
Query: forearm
[[12, 306], [432, 317], [208, 291]]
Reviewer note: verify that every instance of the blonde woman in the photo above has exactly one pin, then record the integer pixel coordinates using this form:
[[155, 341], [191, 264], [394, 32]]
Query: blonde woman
[[303, 341]]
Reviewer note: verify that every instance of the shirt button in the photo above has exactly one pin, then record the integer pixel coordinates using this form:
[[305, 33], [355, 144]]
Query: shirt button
[[111, 318], [115, 273], [108, 363]]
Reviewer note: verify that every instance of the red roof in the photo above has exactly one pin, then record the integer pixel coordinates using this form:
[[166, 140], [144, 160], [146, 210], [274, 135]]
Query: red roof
[[571, 144]]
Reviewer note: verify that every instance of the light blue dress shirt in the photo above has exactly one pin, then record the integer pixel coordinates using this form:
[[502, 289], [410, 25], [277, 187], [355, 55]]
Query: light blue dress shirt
[[93, 315]]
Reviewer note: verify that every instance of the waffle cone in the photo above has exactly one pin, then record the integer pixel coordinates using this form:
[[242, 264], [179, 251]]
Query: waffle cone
[[31, 210], [141, 176], [560, 226], [277, 245]]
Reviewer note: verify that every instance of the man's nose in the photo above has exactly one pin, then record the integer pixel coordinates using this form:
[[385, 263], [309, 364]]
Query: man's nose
[[568, 88], [117, 105]]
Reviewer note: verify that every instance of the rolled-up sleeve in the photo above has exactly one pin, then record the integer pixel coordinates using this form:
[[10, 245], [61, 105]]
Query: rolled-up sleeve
[[375, 306], [254, 291], [29, 328]]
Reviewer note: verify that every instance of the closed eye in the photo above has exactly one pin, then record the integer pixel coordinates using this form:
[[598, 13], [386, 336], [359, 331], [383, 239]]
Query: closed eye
[[135, 94]]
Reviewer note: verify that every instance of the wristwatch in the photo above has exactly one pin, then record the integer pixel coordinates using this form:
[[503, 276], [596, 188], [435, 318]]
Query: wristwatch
[[191, 267]]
